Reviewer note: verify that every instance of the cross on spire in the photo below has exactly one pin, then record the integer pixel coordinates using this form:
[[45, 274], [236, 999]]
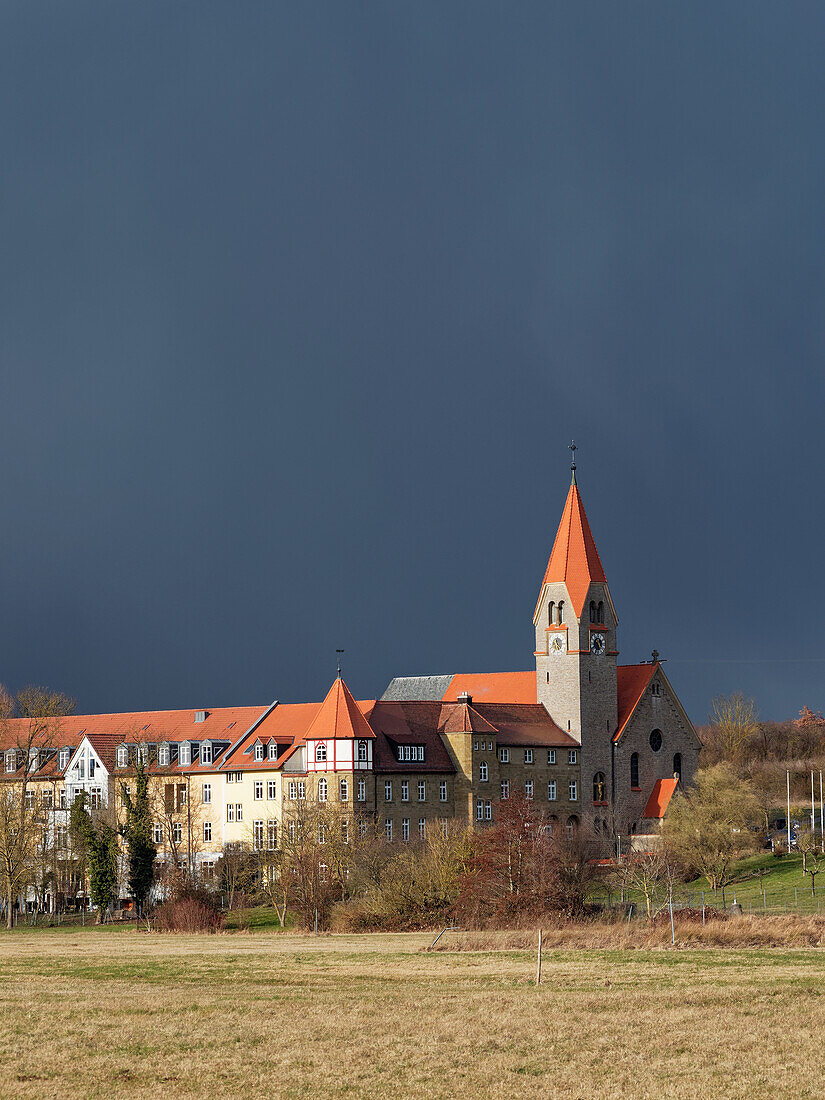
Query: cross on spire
[[339, 652], [573, 448]]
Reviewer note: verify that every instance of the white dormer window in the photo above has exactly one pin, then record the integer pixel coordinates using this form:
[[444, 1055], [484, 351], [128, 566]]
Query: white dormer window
[[34, 760], [11, 761], [63, 759], [272, 752], [259, 751], [206, 752], [362, 751], [320, 751], [185, 753], [123, 756], [164, 755]]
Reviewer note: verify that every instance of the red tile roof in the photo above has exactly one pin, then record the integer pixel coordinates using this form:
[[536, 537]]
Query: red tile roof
[[413, 723], [657, 804], [494, 687], [632, 682], [574, 558], [339, 717]]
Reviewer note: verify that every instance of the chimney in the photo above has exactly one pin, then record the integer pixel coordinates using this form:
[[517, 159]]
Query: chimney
[[466, 697]]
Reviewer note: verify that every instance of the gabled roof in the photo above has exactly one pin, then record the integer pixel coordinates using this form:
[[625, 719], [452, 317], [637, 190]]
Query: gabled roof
[[574, 559], [462, 718], [409, 723], [339, 717], [663, 791], [631, 683]]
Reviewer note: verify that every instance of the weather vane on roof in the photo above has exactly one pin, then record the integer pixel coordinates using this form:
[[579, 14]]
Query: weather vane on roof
[[339, 652], [573, 448]]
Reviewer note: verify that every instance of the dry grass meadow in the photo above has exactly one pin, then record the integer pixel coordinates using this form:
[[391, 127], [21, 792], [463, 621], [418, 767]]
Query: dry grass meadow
[[114, 1014]]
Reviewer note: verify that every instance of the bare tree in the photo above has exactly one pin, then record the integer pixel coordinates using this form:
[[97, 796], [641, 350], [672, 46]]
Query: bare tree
[[735, 720], [29, 724]]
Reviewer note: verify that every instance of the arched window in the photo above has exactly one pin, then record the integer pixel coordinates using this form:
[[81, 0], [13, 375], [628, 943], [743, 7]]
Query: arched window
[[600, 612], [122, 756], [677, 765], [362, 751], [593, 611], [598, 787], [322, 790], [561, 612], [552, 822], [572, 825], [320, 751], [656, 740], [344, 790], [634, 770], [550, 609]]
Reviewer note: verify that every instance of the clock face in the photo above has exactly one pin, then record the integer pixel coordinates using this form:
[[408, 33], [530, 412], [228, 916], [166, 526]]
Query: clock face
[[557, 645], [597, 644]]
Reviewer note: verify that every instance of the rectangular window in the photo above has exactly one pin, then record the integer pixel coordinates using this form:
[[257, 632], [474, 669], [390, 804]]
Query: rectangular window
[[95, 798], [185, 753], [574, 790], [258, 752], [292, 791], [207, 831], [230, 811], [48, 798], [405, 791], [258, 835], [238, 776], [475, 747], [362, 790], [343, 790], [62, 836], [207, 793], [505, 788], [488, 810], [528, 756], [442, 790], [551, 791], [259, 790], [388, 791], [422, 827], [271, 790], [206, 752], [479, 810], [388, 828], [177, 832], [528, 789], [405, 828], [571, 756], [239, 811], [64, 759], [272, 835], [422, 790], [272, 750], [551, 756], [157, 834], [230, 777], [63, 798], [482, 772], [302, 789], [504, 756], [29, 801]]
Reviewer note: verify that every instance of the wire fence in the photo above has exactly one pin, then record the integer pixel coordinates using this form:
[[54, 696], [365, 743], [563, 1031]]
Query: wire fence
[[770, 903]]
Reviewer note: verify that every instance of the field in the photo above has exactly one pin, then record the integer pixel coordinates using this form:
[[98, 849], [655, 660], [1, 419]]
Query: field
[[114, 1014]]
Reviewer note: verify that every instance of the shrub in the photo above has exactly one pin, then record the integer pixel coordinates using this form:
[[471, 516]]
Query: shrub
[[190, 908]]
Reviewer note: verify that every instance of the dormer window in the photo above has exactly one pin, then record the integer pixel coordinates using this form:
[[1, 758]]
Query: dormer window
[[320, 751], [63, 759], [259, 751], [123, 756], [410, 752], [164, 755], [185, 754], [206, 752], [362, 751], [142, 754], [272, 750], [11, 761]]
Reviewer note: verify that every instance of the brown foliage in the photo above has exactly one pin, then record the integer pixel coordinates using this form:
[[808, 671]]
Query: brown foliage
[[190, 908]]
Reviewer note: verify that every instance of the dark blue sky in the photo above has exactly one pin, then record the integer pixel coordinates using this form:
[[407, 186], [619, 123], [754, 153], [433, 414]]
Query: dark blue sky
[[302, 303]]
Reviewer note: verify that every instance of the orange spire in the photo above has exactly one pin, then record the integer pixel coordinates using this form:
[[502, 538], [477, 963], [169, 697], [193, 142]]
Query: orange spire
[[339, 716], [574, 558]]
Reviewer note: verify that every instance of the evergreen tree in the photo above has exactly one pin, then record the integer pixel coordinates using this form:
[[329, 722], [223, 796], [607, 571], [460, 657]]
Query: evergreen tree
[[138, 835], [99, 841]]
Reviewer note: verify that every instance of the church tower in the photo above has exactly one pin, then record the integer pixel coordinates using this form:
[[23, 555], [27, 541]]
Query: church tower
[[576, 650]]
